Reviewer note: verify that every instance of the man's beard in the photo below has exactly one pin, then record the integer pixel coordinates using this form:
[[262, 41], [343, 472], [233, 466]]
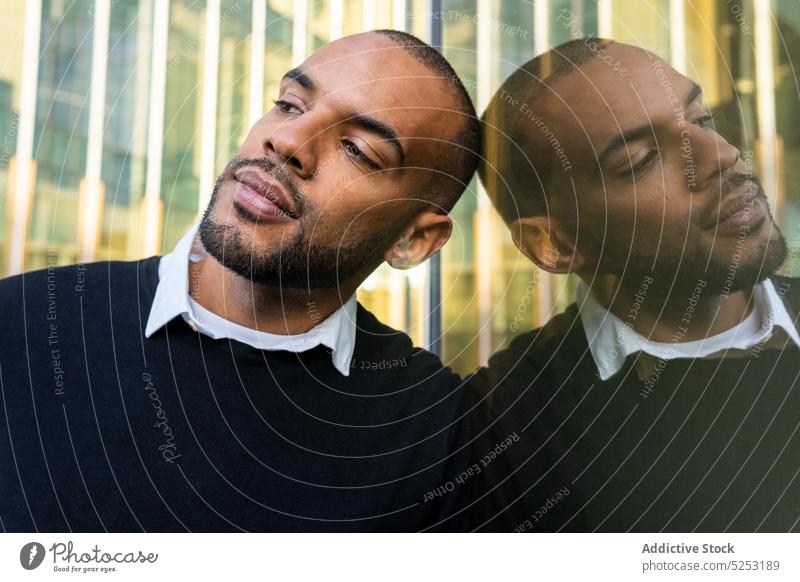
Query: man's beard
[[745, 266], [297, 264]]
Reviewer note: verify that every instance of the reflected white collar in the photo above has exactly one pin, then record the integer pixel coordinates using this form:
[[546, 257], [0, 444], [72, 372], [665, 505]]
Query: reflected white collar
[[612, 340]]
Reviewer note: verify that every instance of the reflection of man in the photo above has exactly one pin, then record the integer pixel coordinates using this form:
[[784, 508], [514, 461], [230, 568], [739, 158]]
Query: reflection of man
[[217, 388], [665, 398]]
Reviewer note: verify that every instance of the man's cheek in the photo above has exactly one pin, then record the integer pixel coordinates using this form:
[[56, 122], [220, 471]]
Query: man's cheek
[[338, 222]]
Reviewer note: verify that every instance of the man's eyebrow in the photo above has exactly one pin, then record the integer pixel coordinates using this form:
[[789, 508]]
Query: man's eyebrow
[[363, 121], [304, 80], [694, 92], [643, 130], [380, 128]]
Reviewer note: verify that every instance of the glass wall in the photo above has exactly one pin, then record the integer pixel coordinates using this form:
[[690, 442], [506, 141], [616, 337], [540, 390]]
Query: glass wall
[[124, 161], [61, 131], [174, 86], [786, 50]]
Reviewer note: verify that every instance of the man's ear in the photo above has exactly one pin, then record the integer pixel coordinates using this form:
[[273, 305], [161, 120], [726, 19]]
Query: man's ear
[[542, 241], [426, 234]]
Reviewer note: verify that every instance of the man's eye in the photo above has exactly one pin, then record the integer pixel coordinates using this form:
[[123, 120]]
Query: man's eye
[[286, 107], [640, 166], [354, 151], [703, 121]]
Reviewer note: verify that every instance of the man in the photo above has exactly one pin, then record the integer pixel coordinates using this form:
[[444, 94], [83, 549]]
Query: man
[[665, 398], [223, 387]]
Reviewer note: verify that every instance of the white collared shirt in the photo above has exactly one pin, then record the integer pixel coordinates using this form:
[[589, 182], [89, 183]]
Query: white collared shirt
[[611, 340], [337, 332]]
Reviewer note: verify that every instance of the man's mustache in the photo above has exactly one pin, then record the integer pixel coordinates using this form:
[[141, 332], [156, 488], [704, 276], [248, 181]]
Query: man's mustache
[[273, 170], [728, 183], [733, 180]]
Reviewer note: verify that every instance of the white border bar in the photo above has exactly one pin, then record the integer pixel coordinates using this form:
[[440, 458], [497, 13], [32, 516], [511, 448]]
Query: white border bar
[[392, 557]]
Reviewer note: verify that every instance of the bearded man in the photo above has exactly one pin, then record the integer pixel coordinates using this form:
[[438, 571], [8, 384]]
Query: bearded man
[[222, 387]]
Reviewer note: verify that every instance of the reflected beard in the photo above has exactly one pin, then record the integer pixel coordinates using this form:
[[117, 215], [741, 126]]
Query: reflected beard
[[748, 265], [745, 269]]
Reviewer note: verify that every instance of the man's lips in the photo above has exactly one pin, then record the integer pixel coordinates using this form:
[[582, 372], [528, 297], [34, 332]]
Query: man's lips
[[263, 193], [742, 207]]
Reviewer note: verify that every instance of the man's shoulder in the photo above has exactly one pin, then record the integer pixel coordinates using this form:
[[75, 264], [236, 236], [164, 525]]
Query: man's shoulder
[[373, 334], [788, 287], [78, 277], [542, 357], [37, 297], [381, 344], [559, 334], [786, 281]]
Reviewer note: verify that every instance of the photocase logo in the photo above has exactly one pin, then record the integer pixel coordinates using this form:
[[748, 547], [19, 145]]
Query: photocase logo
[[31, 555]]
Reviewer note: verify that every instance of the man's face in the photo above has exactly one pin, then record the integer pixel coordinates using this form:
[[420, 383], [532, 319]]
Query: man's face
[[328, 178], [657, 190]]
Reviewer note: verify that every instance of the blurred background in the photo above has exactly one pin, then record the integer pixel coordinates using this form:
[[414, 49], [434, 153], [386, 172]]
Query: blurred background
[[117, 115]]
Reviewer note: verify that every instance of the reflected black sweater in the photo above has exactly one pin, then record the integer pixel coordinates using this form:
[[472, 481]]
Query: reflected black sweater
[[705, 445], [104, 430]]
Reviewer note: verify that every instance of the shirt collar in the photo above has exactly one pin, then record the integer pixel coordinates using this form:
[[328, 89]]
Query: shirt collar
[[337, 332], [172, 294], [612, 340]]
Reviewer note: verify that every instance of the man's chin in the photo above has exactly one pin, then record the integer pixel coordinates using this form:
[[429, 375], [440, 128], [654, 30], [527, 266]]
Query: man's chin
[[287, 263], [734, 266], [747, 263], [244, 229]]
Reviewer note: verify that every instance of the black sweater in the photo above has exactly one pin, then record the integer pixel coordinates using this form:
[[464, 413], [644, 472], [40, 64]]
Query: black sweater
[[703, 445], [104, 430]]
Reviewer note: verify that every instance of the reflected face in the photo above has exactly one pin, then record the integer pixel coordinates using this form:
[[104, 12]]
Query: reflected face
[[658, 190], [330, 176]]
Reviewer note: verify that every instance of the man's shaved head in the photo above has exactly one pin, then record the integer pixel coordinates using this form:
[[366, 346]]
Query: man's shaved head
[[462, 157], [517, 146]]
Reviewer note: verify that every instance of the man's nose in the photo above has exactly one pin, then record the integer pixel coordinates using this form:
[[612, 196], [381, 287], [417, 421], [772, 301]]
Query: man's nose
[[708, 158], [292, 143], [717, 156], [729, 154]]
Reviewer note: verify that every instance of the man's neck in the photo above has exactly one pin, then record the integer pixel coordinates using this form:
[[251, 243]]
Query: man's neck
[[679, 317], [269, 309]]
